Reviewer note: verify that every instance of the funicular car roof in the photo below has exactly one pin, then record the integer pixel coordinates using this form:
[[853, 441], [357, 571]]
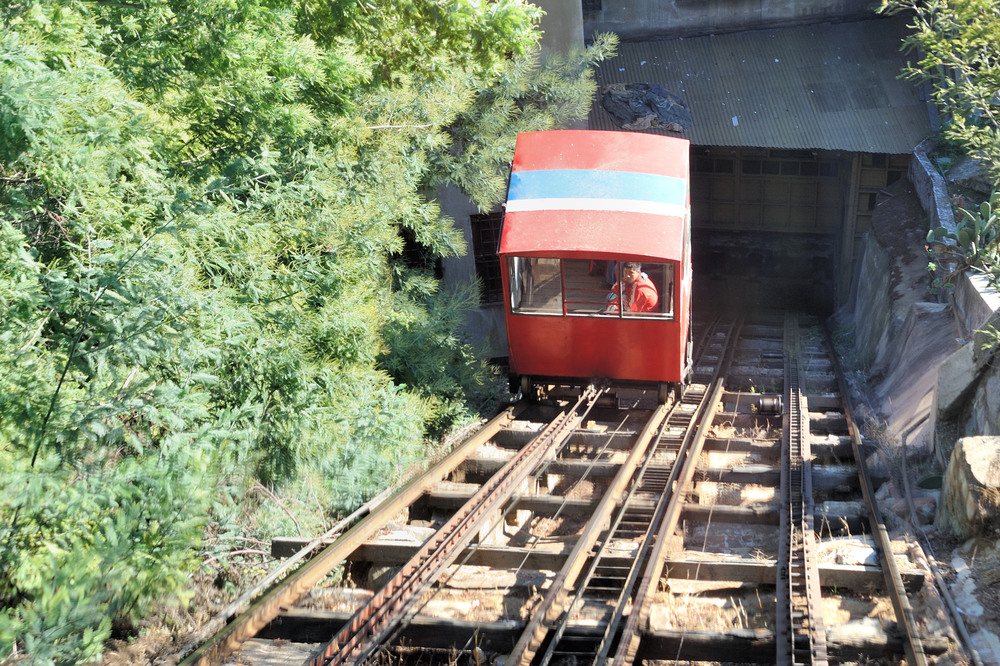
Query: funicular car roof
[[596, 194]]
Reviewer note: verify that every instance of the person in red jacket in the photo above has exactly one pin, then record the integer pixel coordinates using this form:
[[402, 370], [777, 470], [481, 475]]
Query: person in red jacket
[[637, 290]]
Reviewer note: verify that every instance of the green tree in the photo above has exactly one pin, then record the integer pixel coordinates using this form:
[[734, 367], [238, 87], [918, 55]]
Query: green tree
[[206, 210], [955, 44], [974, 244]]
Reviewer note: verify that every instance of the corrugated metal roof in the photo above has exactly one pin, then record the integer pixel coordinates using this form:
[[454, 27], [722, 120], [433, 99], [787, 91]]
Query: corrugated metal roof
[[831, 86]]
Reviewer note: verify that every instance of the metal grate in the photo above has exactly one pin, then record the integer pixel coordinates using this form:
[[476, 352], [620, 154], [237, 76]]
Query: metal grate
[[485, 242]]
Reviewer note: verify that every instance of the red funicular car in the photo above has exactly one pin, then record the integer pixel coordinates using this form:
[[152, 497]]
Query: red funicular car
[[582, 208]]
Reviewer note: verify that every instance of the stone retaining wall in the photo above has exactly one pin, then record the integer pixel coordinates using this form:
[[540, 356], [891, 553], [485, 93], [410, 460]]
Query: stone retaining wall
[[967, 391], [931, 187], [930, 380], [967, 394]]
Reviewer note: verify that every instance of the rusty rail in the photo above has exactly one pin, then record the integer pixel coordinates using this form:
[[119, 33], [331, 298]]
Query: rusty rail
[[628, 645], [556, 601], [249, 623], [915, 655], [387, 608], [801, 636]]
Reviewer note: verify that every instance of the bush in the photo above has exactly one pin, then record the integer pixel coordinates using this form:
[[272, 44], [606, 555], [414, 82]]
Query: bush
[[973, 244], [81, 550]]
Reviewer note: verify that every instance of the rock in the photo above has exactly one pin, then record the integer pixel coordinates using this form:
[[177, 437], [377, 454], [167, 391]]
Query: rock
[[987, 645], [849, 551], [925, 507], [970, 499], [963, 589], [969, 173]]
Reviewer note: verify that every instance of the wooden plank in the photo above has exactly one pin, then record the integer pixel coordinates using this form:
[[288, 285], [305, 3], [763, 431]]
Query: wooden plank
[[743, 445], [846, 642], [824, 479], [854, 641], [572, 468], [244, 625], [311, 626], [580, 441], [737, 646], [276, 653], [543, 504], [760, 572], [852, 519]]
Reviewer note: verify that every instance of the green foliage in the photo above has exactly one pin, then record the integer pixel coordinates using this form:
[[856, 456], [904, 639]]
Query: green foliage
[[107, 543], [370, 439], [991, 339], [973, 244], [428, 37], [208, 323], [428, 353], [229, 76], [955, 47], [529, 94]]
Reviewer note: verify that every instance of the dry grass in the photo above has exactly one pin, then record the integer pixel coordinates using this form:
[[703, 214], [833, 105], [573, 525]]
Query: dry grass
[[699, 611]]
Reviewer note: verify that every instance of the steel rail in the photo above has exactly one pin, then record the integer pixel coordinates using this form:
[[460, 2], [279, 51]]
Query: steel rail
[[597, 561], [552, 606], [639, 616], [676, 447], [674, 436], [818, 647], [915, 655], [942, 586], [799, 631], [242, 602], [387, 608], [249, 623]]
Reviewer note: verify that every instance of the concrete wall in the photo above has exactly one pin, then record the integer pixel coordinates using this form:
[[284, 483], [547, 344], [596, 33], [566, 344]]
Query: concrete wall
[[562, 27], [898, 346], [641, 19], [484, 327], [931, 187], [930, 380], [873, 320], [967, 394], [967, 387]]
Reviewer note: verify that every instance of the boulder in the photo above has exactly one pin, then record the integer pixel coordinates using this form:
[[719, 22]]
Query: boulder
[[970, 498], [970, 173]]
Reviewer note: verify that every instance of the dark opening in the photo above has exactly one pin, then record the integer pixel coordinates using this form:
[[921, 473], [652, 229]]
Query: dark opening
[[485, 243]]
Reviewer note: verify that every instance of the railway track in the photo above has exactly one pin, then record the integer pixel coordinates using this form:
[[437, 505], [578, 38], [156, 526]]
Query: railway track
[[735, 524]]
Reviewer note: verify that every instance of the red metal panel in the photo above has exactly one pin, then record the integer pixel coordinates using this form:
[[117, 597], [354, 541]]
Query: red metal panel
[[597, 194], [592, 234], [633, 349], [602, 195], [612, 151]]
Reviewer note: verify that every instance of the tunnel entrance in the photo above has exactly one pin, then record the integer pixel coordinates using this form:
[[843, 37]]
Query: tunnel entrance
[[737, 270], [766, 226], [778, 227]]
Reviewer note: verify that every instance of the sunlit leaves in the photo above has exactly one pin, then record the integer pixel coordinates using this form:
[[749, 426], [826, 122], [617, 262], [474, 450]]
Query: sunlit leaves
[[954, 47], [208, 212]]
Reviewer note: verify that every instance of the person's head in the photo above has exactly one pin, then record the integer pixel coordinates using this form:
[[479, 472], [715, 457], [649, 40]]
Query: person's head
[[631, 270]]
